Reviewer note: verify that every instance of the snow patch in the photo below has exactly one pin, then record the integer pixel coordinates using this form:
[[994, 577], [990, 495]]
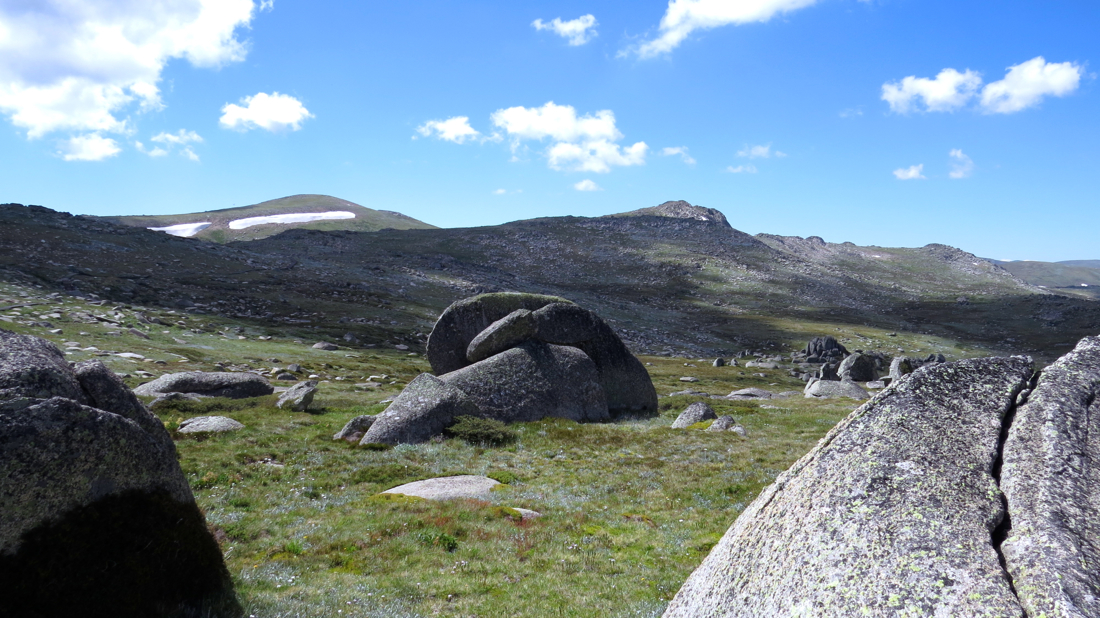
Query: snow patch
[[300, 217], [183, 229]]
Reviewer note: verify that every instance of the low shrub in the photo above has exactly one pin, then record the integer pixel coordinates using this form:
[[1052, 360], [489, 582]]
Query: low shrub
[[482, 431]]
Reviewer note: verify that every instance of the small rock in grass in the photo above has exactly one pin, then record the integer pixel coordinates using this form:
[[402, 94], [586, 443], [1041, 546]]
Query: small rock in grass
[[287, 377], [751, 393], [695, 413], [689, 379], [726, 423], [448, 488], [355, 428], [209, 424], [324, 345], [299, 396]]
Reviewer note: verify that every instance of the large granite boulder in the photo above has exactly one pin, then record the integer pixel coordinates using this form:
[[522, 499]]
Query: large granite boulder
[[1051, 479], [626, 384], [532, 382], [892, 514], [858, 368], [424, 409], [464, 320], [298, 397], [97, 517], [234, 385], [625, 381]]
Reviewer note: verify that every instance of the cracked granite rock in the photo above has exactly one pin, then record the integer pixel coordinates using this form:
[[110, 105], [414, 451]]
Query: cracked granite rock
[[1051, 479], [892, 514]]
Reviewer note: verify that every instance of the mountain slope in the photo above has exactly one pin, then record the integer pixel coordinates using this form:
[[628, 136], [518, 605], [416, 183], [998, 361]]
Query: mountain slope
[[219, 222], [682, 285], [1075, 277]]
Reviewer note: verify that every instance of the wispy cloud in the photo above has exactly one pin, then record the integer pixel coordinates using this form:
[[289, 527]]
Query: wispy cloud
[[962, 166], [579, 31], [742, 169], [678, 150], [456, 129], [686, 16], [587, 185], [950, 90], [763, 151], [910, 173]]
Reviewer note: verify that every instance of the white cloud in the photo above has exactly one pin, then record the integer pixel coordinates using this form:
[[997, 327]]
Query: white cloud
[[585, 143], [949, 91], [686, 16], [190, 154], [1027, 83], [679, 150], [89, 147], [962, 166], [157, 151], [179, 138], [760, 152], [910, 173], [587, 185], [456, 129], [82, 66], [273, 112], [500, 191], [579, 31], [851, 112], [742, 169]]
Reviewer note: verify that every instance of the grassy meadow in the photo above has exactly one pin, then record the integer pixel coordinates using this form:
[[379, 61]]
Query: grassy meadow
[[629, 509]]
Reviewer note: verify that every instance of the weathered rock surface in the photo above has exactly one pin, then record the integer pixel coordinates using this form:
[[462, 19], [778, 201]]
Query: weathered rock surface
[[354, 429], [298, 397], [626, 383], [1051, 479], [326, 346], [829, 389], [858, 368], [723, 423], [235, 385], [448, 488], [750, 393], [892, 514], [718, 362], [532, 382], [97, 517], [162, 400], [903, 366], [464, 320], [504, 334], [695, 413], [209, 424], [424, 409]]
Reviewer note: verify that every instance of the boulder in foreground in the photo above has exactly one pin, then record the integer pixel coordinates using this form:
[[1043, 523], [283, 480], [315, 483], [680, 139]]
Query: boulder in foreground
[[890, 515], [1051, 479], [97, 517]]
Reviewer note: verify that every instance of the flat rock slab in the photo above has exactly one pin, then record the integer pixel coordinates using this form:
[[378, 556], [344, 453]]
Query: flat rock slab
[[235, 385], [448, 488], [890, 515], [751, 393], [1051, 478], [209, 424], [830, 389]]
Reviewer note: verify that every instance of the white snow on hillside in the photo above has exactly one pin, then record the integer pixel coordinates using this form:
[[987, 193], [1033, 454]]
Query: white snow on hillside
[[300, 217], [183, 229]]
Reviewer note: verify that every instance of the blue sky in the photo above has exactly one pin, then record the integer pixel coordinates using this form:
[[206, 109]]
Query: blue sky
[[790, 116]]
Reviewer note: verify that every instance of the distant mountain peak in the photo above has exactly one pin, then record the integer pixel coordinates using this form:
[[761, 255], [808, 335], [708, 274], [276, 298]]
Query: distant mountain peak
[[680, 209]]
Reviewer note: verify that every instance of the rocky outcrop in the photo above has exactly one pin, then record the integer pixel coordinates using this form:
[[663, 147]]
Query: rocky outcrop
[[892, 514], [464, 320], [475, 329], [532, 382], [1051, 479], [426, 407], [695, 413], [821, 349], [234, 385], [98, 519]]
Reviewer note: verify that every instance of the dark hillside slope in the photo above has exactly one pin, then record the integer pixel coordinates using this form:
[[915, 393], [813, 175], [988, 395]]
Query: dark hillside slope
[[668, 284]]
